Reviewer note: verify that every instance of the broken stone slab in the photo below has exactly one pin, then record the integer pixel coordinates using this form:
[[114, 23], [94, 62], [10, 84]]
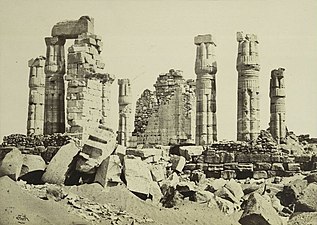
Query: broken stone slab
[[203, 197], [109, 171], [32, 163], [293, 167], [57, 169], [226, 206], [187, 189], [215, 185], [307, 201], [85, 164], [235, 188], [178, 163], [100, 143], [225, 193], [259, 211], [155, 192], [189, 151], [277, 166], [197, 176], [11, 163], [158, 172], [120, 150], [137, 175]]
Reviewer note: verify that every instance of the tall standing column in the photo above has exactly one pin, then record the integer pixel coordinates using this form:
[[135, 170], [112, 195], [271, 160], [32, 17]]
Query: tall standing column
[[248, 114], [277, 107], [35, 122], [54, 112], [125, 112], [205, 69]]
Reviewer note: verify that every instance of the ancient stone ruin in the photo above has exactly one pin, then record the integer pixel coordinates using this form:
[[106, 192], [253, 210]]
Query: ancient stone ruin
[[170, 158], [125, 112], [166, 116], [277, 107], [205, 69], [248, 67]]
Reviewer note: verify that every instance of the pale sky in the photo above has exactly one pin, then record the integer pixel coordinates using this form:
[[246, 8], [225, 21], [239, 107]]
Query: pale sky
[[145, 38]]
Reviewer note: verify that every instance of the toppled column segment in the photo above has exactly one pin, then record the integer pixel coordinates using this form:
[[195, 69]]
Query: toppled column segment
[[248, 67], [35, 122], [277, 106], [205, 69]]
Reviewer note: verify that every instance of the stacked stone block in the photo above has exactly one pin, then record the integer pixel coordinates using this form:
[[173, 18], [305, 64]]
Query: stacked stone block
[[233, 160], [277, 107], [88, 90], [35, 122], [248, 67], [205, 69]]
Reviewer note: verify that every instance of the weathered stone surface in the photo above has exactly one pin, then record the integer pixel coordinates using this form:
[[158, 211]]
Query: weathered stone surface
[[248, 113], [178, 163], [197, 177], [277, 106], [137, 175], [262, 166], [11, 164], [259, 211], [120, 150], [203, 196], [226, 206], [125, 112], [260, 174], [73, 28], [307, 201], [189, 151], [205, 69], [155, 192], [100, 143], [32, 163], [235, 188], [278, 166], [225, 193], [228, 174], [158, 172], [109, 171], [293, 167], [56, 170]]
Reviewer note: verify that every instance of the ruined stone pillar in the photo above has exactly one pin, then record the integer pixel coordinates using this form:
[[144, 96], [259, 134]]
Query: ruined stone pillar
[[125, 112], [54, 112], [105, 98], [277, 107], [248, 114], [35, 122], [205, 69]]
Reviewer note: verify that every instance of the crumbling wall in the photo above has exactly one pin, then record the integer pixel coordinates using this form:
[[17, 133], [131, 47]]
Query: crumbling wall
[[171, 119]]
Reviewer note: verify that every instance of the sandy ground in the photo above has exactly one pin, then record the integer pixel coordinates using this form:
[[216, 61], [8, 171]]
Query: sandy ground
[[92, 204]]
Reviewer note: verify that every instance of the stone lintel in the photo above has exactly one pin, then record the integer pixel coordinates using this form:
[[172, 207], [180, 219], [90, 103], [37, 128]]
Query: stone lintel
[[54, 41], [206, 38], [73, 28], [123, 81], [37, 62]]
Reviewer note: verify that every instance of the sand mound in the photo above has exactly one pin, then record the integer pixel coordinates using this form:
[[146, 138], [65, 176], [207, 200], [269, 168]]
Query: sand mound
[[19, 207], [186, 213]]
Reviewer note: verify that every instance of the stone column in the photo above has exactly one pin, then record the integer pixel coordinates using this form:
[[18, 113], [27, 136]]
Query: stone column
[[125, 112], [248, 114], [35, 122], [277, 107], [205, 69], [54, 112]]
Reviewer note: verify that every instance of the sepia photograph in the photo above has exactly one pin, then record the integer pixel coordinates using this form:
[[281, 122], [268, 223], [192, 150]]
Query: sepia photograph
[[160, 112]]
